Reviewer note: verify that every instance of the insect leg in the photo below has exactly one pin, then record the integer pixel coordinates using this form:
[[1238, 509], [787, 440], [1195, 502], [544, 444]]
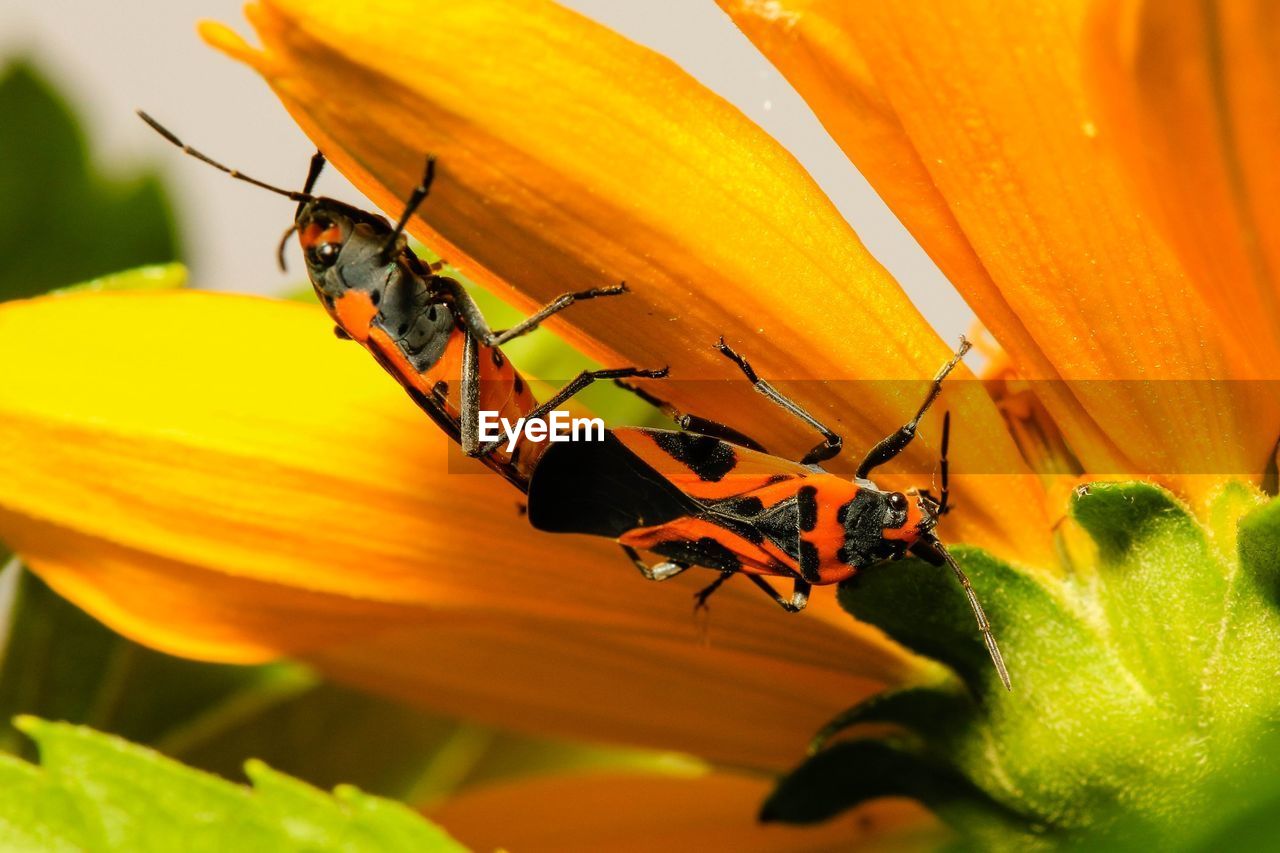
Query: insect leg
[[944, 498], [469, 415], [313, 171], [657, 572], [694, 423], [416, 198], [831, 443], [555, 306], [701, 596], [894, 443], [574, 386], [799, 594], [944, 504], [585, 378]]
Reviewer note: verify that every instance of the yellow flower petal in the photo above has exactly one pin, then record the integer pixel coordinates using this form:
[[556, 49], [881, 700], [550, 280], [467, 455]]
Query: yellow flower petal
[[218, 477], [985, 115], [570, 157], [1190, 94], [646, 812]]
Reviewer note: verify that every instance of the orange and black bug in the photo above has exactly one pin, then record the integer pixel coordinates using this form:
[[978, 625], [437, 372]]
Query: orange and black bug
[[421, 326], [701, 500]]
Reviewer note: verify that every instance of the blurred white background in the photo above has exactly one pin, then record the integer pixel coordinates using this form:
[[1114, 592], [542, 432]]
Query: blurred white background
[[111, 58]]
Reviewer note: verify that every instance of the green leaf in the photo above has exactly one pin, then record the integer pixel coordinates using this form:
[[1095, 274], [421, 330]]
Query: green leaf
[[150, 277], [62, 221], [98, 792]]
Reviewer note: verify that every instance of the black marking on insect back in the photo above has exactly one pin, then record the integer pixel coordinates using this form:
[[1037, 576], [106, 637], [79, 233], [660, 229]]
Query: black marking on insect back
[[809, 561], [375, 296], [807, 506], [778, 478], [602, 488], [864, 520], [707, 457], [496, 355], [705, 551], [746, 507], [518, 384], [341, 333]]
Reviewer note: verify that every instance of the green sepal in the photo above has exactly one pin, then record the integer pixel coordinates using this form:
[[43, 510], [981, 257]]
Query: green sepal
[[924, 608], [854, 772], [1143, 673], [935, 713]]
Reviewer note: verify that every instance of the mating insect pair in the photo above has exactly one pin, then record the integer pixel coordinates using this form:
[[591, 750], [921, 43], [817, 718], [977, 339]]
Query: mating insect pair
[[729, 506], [707, 500], [421, 326]]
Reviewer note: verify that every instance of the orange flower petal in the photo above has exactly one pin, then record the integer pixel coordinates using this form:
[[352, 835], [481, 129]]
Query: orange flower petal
[[812, 43], [218, 477], [570, 156], [646, 812], [1190, 94], [984, 115]]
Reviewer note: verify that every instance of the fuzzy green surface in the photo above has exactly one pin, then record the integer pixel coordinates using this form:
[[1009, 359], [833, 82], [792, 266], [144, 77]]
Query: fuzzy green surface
[[1145, 683]]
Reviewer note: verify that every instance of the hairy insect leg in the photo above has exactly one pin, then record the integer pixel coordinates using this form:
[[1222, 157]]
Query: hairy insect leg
[[799, 593], [658, 571], [944, 499], [555, 306], [584, 379], [700, 597], [473, 318], [313, 171], [573, 387], [894, 443], [694, 423], [469, 392], [831, 443]]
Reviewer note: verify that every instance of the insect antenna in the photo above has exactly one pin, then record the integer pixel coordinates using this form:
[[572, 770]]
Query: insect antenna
[[416, 198], [284, 244], [983, 625], [238, 175]]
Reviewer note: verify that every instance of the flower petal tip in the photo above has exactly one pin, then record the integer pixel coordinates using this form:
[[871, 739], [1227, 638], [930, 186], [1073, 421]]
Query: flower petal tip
[[222, 38]]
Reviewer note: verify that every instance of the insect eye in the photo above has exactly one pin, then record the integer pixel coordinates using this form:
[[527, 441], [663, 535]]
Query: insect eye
[[897, 501], [324, 254]]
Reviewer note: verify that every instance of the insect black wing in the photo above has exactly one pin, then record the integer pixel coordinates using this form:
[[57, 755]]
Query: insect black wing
[[601, 488]]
